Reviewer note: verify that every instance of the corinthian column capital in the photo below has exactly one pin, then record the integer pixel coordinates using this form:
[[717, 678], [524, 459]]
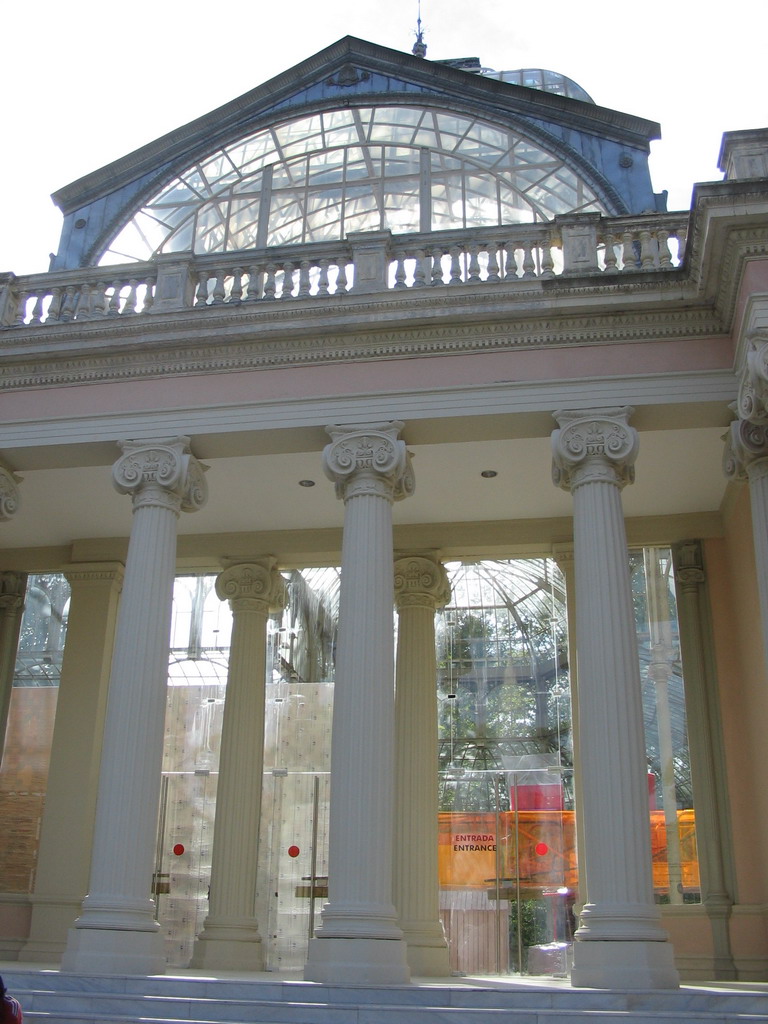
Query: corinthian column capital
[[252, 585], [368, 459], [746, 449], [161, 472], [752, 402], [10, 499], [594, 445], [421, 581], [13, 587]]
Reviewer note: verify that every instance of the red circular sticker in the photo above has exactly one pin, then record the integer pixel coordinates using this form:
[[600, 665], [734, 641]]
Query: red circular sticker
[[541, 849], [178, 849], [293, 851]]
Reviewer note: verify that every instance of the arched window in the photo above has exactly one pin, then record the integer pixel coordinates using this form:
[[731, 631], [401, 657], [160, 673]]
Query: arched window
[[318, 178]]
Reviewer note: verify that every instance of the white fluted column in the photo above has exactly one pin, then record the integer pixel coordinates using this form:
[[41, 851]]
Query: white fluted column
[[13, 587], [230, 937], [421, 586], [359, 939], [620, 940], [116, 931]]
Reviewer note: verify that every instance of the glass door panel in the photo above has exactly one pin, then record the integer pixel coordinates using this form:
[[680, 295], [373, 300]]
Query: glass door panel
[[508, 876]]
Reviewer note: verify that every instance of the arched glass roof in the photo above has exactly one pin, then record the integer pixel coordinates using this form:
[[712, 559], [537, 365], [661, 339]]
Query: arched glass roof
[[320, 177]]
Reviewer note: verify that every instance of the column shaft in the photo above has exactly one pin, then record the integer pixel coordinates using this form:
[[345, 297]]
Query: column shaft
[[230, 938], [359, 936], [421, 585], [66, 835], [620, 938], [116, 930]]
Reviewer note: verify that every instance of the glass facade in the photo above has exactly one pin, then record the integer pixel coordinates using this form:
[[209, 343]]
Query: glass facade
[[27, 749], [507, 832], [318, 178]]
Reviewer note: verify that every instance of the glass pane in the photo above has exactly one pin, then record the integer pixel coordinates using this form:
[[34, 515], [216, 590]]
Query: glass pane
[[27, 749]]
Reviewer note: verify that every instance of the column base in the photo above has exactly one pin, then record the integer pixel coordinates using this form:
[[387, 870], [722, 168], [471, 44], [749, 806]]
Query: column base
[[225, 949], [357, 961], [109, 951], [634, 965], [426, 949]]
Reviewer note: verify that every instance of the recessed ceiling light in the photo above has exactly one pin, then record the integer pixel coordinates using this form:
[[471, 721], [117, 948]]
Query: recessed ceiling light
[[489, 473], [306, 483]]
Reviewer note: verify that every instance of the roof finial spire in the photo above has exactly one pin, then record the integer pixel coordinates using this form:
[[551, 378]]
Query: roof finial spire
[[419, 47]]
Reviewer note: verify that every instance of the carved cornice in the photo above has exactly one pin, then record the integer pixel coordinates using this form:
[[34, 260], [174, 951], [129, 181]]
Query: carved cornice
[[181, 343], [421, 582], [252, 586], [10, 498], [369, 460], [593, 446], [162, 473]]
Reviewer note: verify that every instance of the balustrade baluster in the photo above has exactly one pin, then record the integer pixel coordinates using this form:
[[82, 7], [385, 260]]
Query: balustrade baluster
[[287, 292], [628, 249], [647, 254], [149, 295], [665, 255], [37, 310], [304, 279], [114, 300], [322, 281], [609, 257], [55, 307], [131, 299], [529, 264], [400, 269], [547, 261], [456, 254], [69, 305], [473, 269], [252, 290], [437, 266], [270, 281], [420, 269], [21, 309], [236, 292], [99, 303], [201, 295], [84, 303], [219, 291], [495, 262], [341, 280]]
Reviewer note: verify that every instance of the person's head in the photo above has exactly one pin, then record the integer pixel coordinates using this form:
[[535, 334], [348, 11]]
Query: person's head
[[2, 988]]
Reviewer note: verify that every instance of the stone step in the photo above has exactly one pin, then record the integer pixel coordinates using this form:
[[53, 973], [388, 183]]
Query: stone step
[[118, 999]]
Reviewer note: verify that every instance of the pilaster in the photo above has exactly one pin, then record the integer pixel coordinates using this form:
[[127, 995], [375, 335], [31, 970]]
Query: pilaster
[[13, 587], [66, 834], [706, 751], [421, 586], [117, 931], [230, 938], [359, 937], [620, 941]]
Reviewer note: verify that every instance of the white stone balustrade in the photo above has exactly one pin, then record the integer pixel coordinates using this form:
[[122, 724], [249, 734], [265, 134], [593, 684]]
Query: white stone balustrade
[[366, 262]]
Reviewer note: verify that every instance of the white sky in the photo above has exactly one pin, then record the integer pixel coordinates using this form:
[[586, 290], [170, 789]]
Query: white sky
[[87, 81]]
